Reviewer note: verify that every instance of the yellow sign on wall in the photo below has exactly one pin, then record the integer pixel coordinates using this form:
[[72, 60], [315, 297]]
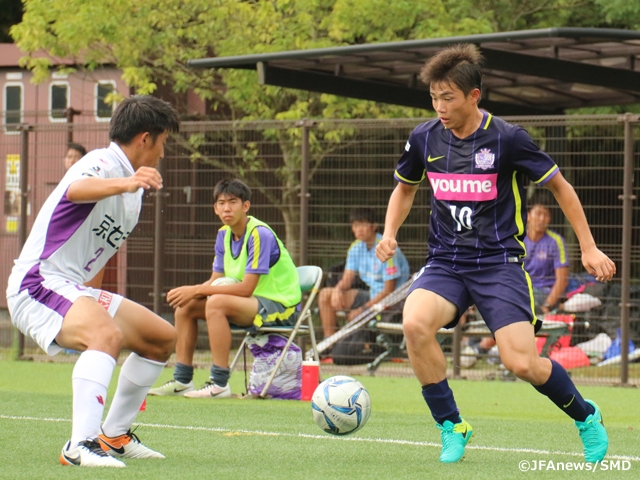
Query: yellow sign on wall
[[12, 193]]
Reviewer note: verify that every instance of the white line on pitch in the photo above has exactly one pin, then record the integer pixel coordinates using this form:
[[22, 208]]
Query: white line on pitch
[[338, 438]]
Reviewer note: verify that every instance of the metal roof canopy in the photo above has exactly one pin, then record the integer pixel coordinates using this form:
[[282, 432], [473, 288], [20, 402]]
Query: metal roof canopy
[[527, 72]]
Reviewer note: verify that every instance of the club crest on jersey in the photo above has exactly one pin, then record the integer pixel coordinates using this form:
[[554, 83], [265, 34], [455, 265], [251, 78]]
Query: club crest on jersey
[[485, 159]]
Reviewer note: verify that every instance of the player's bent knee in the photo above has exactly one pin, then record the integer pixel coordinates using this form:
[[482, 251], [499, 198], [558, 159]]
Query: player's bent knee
[[217, 304], [106, 336], [416, 328], [161, 352], [169, 345], [160, 347], [325, 294], [192, 310], [521, 367], [165, 344]]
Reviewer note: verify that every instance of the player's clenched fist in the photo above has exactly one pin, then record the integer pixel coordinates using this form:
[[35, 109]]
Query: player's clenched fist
[[145, 177], [386, 249], [598, 264]]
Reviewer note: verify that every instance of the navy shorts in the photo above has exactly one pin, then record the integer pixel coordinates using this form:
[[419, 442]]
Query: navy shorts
[[503, 294]]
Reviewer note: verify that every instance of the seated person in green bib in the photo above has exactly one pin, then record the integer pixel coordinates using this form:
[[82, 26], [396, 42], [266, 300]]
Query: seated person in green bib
[[268, 292]]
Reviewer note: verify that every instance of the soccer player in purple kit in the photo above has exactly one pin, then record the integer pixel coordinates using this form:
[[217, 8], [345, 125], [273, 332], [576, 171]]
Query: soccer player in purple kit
[[53, 295], [476, 165]]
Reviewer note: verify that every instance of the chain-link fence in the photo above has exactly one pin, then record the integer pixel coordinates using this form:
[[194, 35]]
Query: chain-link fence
[[308, 176]]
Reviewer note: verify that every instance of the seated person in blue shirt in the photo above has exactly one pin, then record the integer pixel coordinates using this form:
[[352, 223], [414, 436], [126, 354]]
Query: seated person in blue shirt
[[546, 261], [381, 278]]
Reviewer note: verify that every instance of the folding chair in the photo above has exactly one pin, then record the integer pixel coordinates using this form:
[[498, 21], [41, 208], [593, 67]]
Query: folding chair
[[310, 278]]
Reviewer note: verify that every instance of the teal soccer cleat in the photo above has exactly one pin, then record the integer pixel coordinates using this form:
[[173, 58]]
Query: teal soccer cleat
[[593, 436], [454, 438]]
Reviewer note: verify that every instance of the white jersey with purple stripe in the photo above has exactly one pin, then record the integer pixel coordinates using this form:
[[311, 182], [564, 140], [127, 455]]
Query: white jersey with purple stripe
[[478, 210], [74, 241]]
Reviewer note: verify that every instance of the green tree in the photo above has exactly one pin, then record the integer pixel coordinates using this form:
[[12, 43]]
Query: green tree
[[621, 13], [152, 40], [510, 15]]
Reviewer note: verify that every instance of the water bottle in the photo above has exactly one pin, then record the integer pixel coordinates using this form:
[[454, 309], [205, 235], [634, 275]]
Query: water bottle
[[310, 378]]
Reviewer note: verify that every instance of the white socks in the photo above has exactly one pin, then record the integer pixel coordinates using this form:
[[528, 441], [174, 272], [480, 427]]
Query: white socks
[[136, 378], [90, 379]]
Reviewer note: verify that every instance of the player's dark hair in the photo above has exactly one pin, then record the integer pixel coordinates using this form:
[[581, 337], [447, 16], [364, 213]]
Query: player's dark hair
[[232, 187], [78, 148], [459, 65], [541, 197], [363, 214], [139, 114]]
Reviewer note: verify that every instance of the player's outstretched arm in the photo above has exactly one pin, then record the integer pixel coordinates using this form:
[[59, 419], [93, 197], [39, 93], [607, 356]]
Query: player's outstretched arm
[[399, 207], [94, 189], [594, 261]]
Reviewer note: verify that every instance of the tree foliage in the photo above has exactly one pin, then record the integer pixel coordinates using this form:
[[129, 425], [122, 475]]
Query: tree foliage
[[152, 40], [509, 15], [621, 13]]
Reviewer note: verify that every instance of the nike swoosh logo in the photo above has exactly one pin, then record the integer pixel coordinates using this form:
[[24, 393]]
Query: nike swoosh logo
[[430, 159], [570, 402], [458, 429], [119, 450], [178, 390]]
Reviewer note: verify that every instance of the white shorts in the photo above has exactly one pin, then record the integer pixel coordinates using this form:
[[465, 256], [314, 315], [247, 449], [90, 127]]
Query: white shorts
[[39, 312]]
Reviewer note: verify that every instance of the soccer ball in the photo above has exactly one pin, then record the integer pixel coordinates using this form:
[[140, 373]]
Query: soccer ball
[[224, 281], [341, 405]]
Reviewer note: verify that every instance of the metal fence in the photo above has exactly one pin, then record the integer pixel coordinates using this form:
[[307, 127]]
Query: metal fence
[[306, 178]]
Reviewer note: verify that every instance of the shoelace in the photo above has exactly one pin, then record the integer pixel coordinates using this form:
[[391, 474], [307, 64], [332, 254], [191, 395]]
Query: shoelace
[[589, 433], [94, 447], [207, 385], [447, 435], [132, 435]]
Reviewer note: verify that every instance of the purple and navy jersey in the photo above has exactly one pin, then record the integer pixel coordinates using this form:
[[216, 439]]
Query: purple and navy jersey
[[261, 256], [478, 210]]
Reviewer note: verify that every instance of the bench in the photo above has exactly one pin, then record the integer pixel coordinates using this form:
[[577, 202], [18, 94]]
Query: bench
[[551, 331]]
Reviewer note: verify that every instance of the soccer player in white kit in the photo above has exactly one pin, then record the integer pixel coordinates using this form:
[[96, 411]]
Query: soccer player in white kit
[[82, 224]]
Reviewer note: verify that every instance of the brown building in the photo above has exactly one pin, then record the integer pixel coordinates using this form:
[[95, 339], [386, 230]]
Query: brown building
[[45, 106]]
